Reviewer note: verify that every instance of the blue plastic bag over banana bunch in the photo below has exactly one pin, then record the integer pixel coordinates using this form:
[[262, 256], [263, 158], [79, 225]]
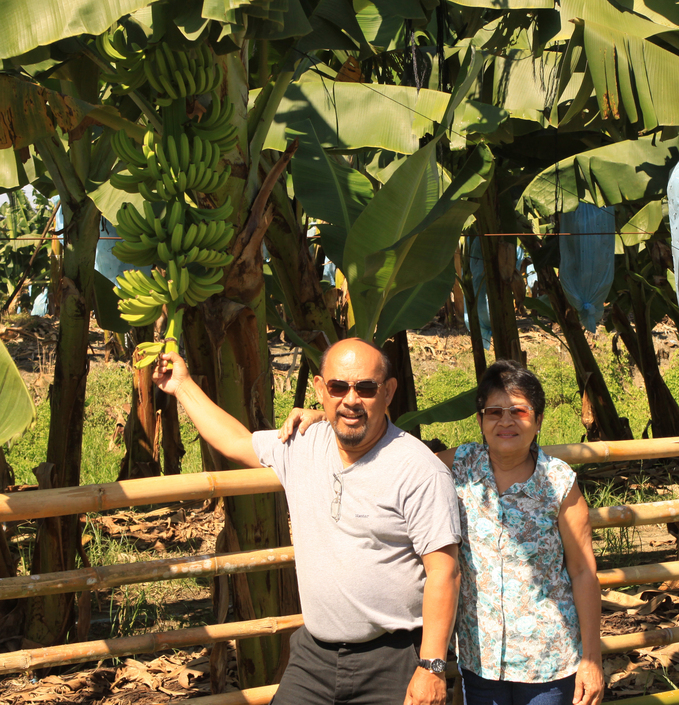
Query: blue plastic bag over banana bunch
[[673, 201], [588, 260], [479, 284]]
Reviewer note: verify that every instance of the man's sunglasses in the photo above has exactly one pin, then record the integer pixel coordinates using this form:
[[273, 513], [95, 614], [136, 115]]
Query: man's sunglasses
[[516, 412], [366, 388]]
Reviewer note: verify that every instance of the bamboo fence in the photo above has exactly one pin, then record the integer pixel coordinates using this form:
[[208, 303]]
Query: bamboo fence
[[96, 498], [19, 506], [101, 577]]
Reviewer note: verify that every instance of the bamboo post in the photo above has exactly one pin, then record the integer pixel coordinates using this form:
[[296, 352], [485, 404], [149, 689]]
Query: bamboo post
[[31, 659], [638, 574], [130, 493], [100, 577]]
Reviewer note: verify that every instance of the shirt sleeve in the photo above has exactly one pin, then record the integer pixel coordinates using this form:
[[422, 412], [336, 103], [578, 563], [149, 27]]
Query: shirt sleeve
[[272, 452], [432, 514]]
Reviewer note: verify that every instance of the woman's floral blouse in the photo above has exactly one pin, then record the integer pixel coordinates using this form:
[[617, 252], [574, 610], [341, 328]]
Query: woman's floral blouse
[[517, 619]]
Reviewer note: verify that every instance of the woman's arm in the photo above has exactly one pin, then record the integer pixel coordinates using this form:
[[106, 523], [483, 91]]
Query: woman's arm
[[576, 534]]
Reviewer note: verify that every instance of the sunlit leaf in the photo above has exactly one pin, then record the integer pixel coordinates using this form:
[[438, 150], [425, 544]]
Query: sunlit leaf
[[459, 407], [26, 25], [17, 411]]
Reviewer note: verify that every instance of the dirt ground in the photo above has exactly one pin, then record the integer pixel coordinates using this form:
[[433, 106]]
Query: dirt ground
[[192, 528]]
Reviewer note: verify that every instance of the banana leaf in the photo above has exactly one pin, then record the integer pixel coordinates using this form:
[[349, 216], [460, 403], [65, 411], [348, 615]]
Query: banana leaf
[[407, 234], [109, 200], [399, 115], [27, 25], [415, 307], [640, 226], [631, 170], [106, 305], [459, 407], [328, 188], [632, 75], [30, 112], [17, 411]]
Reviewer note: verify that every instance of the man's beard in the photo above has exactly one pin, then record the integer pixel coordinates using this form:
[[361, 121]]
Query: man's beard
[[352, 436]]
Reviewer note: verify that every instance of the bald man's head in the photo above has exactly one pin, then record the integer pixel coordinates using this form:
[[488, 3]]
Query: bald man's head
[[357, 344]]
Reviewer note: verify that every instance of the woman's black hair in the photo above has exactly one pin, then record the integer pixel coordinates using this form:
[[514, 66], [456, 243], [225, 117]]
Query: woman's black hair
[[508, 376]]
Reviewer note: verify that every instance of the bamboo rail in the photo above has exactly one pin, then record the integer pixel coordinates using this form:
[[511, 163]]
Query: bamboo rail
[[252, 696], [39, 504], [638, 574], [100, 577], [31, 659], [639, 640], [156, 490], [604, 451], [669, 697], [635, 514]]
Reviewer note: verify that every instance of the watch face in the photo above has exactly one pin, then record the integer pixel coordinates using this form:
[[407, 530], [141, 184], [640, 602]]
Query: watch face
[[438, 665]]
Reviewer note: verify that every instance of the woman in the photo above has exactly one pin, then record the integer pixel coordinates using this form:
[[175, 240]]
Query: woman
[[530, 604]]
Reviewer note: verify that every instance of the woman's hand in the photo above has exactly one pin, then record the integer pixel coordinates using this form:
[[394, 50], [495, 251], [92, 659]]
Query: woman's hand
[[589, 683], [301, 419]]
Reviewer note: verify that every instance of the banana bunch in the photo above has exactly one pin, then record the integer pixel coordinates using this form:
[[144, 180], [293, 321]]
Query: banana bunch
[[174, 74], [130, 73], [168, 166], [147, 238], [216, 125], [177, 74]]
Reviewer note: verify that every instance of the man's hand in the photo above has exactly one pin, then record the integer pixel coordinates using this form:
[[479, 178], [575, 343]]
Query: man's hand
[[170, 380], [589, 683], [426, 688]]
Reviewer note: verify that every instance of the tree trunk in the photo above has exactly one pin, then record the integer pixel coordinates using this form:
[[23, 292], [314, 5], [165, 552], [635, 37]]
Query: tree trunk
[[467, 287], [397, 351], [173, 448], [142, 429], [499, 262], [49, 619], [662, 405], [606, 424]]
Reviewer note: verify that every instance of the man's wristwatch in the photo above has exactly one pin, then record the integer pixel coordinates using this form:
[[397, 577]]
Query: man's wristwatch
[[436, 665]]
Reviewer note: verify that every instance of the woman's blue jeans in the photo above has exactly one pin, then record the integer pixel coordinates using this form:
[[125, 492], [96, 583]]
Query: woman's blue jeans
[[481, 691]]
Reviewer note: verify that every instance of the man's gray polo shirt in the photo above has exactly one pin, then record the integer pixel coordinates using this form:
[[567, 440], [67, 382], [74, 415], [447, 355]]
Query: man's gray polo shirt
[[362, 575]]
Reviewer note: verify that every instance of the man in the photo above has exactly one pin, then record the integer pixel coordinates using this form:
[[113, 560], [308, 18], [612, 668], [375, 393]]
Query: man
[[375, 526]]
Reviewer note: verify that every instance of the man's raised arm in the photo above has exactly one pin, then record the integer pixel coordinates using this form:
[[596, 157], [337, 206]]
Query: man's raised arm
[[221, 430]]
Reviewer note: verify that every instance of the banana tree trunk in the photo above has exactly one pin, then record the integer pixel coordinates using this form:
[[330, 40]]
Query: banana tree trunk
[[605, 423], [499, 261], [467, 287], [639, 343], [397, 351], [141, 458], [298, 276], [49, 619]]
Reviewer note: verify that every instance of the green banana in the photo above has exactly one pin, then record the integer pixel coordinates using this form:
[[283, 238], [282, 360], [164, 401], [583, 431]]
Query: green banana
[[176, 241]]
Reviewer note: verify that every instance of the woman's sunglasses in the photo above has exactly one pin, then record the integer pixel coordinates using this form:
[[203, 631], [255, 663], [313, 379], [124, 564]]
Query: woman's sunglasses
[[366, 388], [516, 412]]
